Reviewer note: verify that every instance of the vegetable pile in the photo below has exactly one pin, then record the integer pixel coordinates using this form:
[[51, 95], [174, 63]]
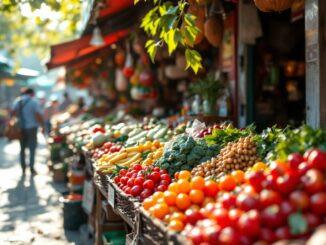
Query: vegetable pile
[[185, 153]]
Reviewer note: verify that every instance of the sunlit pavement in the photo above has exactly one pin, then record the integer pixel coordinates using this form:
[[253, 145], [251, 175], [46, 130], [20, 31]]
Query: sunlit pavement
[[30, 212]]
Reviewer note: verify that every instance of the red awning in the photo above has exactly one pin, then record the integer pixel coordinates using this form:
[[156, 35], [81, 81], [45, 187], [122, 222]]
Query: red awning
[[114, 6], [64, 53]]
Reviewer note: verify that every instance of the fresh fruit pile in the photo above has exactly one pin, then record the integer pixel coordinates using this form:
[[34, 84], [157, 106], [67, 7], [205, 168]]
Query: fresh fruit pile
[[141, 182], [184, 154], [208, 131], [239, 155], [282, 202], [143, 153], [107, 148]]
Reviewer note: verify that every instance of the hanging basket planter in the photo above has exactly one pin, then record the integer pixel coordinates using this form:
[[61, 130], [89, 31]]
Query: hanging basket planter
[[273, 5]]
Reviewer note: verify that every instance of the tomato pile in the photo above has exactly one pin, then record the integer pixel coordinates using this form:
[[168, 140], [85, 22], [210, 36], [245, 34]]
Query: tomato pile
[[141, 182], [108, 147], [284, 200]]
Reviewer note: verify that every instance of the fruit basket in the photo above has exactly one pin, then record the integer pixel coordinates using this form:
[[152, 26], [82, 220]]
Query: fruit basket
[[151, 230], [122, 204]]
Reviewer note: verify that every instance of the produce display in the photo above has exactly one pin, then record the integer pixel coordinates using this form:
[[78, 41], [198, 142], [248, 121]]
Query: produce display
[[141, 182]]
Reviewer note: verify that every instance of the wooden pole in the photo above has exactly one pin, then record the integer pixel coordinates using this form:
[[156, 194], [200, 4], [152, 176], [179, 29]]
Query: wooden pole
[[315, 24]]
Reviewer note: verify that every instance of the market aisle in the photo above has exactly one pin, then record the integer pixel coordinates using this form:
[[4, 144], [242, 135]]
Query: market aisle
[[30, 212]]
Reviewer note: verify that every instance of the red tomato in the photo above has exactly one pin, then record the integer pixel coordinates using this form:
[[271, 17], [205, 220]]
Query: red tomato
[[131, 182], [287, 183], [229, 236], [272, 216], [270, 182], [129, 174], [282, 233], [155, 176], [294, 160], [148, 184], [303, 168], [228, 200], [269, 197], [278, 168], [307, 154], [156, 169], [139, 181], [313, 220], [196, 236], [221, 216], [164, 182], [313, 181], [163, 171], [247, 202], [211, 234], [127, 190], [116, 179], [124, 180], [267, 235], [193, 216], [299, 200], [166, 177], [318, 203], [245, 240], [145, 193], [255, 179], [114, 149], [136, 190], [249, 223], [211, 188], [162, 188], [287, 208], [234, 216], [137, 167], [317, 159]]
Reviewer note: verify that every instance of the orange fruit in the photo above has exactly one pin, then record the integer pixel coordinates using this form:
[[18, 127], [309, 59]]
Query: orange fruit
[[196, 196], [184, 174], [238, 176], [176, 175], [259, 166], [178, 216], [194, 207], [207, 200], [167, 218], [197, 182], [156, 143], [227, 183], [174, 187], [157, 195], [173, 209], [184, 186], [183, 201], [160, 200], [160, 210], [148, 203], [170, 197], [176, 225]]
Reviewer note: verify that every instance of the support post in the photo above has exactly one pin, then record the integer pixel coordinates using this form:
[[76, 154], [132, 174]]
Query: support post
[[315, 32]]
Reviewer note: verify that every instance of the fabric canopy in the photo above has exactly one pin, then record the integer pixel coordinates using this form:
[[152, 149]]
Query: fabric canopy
[[64, 53], [114, 6]]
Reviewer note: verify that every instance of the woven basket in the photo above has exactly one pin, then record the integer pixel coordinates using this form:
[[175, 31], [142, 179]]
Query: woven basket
[[151, 230], [273, 5], [101, 182], [124, 205]]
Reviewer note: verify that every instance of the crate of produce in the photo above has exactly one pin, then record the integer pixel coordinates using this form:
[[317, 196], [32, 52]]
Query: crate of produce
[[151, 230], [122, 204]]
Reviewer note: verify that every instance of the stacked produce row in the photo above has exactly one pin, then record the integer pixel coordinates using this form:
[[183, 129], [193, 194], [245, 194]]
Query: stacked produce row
[[213, 185]]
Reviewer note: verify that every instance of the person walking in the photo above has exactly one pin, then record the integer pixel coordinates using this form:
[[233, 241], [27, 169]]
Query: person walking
[[65, 103], [29, 114]]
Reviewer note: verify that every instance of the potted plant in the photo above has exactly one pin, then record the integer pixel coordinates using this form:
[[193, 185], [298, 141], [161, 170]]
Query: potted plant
[[209, 89]]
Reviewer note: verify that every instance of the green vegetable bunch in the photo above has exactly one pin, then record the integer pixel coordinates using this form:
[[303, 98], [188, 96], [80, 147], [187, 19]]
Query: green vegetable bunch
[[185, 154]]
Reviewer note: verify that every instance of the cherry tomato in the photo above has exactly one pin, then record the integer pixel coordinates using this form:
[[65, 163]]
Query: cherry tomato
[[137, 167], [221, 216], [313, 220], [247, 202], [313, 181], [269, 197], [124, 180], [303, 168], [294, 160], [136, 190], [267, 235], [299, 200], [127, 190], [234, 216], [249, 223], [196, 236], [228, 200], [255, 179], [282, 233], [318, 203], [211, 188], [163, 171], [139, 181], [287, 208], [272, 216], [164, 182], [317, 159], [148, 184], [192, 216], [166, 177], [211, 234], [229, 236], [162, 188], [131, 182], [123, 172], [116, 179], [155, 176], [156, 169], [287, 183], [145, 193]]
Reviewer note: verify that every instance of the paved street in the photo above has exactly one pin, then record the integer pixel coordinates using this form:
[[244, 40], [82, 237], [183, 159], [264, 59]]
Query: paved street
[[30, 211]]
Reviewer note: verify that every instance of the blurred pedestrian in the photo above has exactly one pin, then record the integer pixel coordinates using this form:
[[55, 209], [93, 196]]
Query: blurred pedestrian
[[29, 114], [65, 103], [51, 109], [80, 103]]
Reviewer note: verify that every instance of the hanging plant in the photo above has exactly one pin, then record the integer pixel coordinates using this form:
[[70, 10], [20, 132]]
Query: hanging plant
[[273, 5]]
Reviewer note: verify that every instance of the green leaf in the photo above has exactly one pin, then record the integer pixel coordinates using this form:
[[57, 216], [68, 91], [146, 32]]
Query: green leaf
[[193, 59], [298, 224], [172, 39], [151, 47], [190, 19]]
